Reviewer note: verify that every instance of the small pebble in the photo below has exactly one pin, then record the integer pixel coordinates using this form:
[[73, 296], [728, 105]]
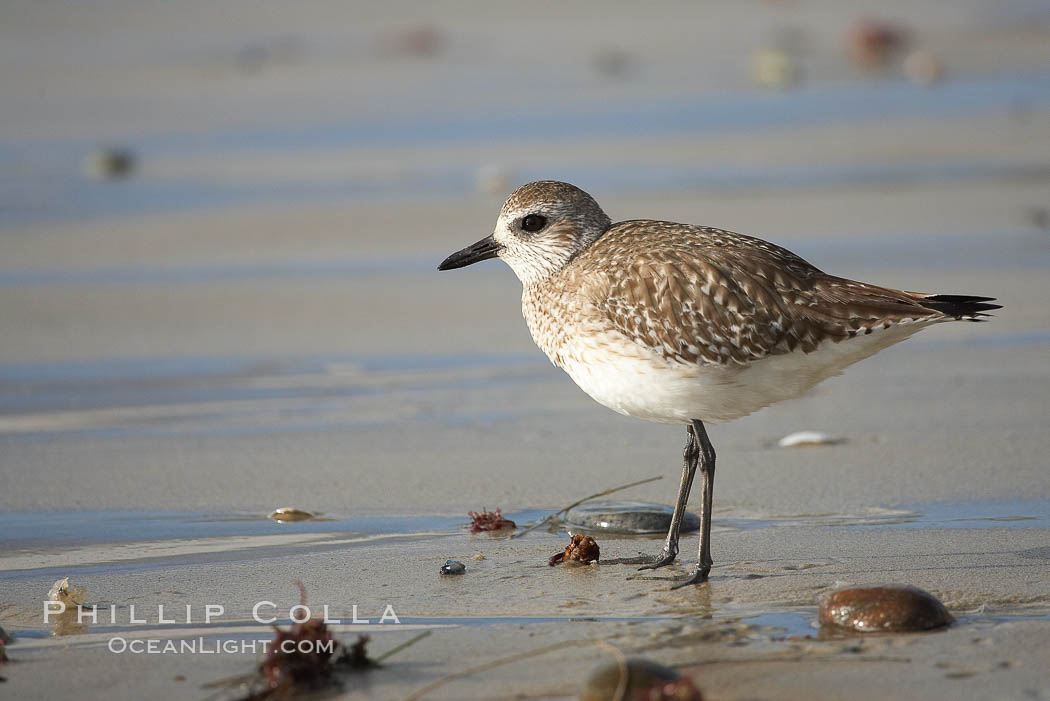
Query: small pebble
[[892, 608], [290, 515], [627, 517], [872, 43], [807, 438], [645, 680], [453, 567], [111, 163]]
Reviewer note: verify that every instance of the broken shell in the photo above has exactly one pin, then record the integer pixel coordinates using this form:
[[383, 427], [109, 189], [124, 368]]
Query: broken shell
[[68, 595], [453, 567], [581, 548], [289, 515], [645, 680], [891, 608], [805, 438]]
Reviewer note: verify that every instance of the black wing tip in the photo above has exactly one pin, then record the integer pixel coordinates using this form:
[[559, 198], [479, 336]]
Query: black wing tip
[[959, 306]]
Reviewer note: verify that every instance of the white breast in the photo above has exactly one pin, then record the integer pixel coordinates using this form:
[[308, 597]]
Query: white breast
[[635, 381]]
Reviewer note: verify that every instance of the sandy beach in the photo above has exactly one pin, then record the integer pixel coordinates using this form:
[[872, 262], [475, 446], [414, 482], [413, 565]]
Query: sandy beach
[[252, 319]]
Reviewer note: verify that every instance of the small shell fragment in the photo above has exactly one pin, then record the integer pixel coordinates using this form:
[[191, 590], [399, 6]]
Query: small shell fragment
[[809, 438], [772, 68], [453, 567], [290, 515], [70, 596]]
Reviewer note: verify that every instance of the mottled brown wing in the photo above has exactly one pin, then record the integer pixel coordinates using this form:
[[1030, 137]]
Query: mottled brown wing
[[705, 295]]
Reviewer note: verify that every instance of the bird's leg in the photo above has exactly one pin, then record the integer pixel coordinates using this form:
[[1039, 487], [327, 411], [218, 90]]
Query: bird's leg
[[670, 552], [707, 486], [690, 456]]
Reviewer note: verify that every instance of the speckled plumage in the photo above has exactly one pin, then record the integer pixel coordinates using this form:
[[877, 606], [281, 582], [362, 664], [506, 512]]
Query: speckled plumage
[[701, 295]]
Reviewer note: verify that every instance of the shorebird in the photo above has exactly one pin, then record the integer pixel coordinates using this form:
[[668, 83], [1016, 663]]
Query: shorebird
[[689, 325]]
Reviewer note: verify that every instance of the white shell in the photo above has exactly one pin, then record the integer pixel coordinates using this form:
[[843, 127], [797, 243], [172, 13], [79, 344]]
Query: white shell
[[804, 438], [70, 596]]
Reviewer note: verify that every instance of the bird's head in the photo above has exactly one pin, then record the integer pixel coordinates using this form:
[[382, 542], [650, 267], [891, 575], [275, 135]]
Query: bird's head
[[542, 226]]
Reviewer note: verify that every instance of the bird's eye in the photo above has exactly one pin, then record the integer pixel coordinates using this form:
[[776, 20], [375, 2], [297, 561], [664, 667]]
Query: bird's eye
[[533, 223]]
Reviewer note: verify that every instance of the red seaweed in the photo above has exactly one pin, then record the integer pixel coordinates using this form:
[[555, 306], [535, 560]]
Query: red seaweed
[[489, 521], [303, 658]]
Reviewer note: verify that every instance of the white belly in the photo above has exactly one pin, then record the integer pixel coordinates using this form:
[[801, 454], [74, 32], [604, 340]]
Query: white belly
[[637, 382]]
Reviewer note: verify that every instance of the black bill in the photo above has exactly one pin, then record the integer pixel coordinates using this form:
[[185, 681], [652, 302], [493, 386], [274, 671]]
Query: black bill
[[482, 250]]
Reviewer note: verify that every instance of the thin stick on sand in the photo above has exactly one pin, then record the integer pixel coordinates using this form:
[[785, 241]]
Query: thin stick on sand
[[555, 517], [402, 646]]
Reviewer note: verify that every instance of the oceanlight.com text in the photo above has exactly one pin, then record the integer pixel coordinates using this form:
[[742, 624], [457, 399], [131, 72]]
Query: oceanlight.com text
[[200, 646]]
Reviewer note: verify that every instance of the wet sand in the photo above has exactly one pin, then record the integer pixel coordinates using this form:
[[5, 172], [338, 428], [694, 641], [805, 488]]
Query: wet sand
[[253, 320]]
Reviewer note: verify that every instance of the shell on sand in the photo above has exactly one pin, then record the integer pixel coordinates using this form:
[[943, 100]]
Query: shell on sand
[[69, 595], [806, 438]]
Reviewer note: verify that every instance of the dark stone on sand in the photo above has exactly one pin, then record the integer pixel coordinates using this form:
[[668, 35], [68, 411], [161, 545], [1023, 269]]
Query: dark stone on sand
[[891, 608], [645, 680], [112, 163], [453, 567], [627, 517]]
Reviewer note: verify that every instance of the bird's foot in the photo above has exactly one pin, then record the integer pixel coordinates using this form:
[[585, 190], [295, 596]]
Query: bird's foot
[[698, 576], [664, 559], [648, 562]]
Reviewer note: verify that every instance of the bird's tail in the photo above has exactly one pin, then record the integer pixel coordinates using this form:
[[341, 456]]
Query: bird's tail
[[960, 306]]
